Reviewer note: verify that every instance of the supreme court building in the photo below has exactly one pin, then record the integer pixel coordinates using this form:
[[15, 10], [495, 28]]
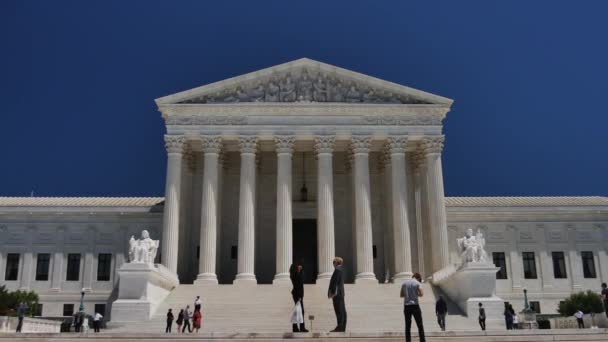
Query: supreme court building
[[302, 161]]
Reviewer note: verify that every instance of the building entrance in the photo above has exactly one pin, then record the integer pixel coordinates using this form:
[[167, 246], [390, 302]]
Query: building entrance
[[305, 247]]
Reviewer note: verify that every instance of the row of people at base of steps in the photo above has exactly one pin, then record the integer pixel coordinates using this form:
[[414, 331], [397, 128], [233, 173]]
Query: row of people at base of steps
[[80, 320], [184, 317]]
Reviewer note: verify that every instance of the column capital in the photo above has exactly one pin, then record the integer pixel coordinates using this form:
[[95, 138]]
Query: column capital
[[432, 145], [396, 144], [248, 144], [360, 143], [212, 144], [417, 160], [175, 143], [284, 143], [324, 143]]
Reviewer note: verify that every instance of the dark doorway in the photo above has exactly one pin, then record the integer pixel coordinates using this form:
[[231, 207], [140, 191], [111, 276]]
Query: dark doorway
[[305, 247]]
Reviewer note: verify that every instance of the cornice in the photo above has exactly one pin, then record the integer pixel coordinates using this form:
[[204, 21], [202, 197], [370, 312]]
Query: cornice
[[299, 109]]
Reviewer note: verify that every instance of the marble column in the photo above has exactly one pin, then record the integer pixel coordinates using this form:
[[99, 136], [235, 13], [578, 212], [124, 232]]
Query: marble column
[[246, 240], [363, 215], [208, 236], [88, 277], [58, 258], [284, 243], [575, 260], [169, 246], [400, 221], [28, 260], [417, 160], [432, 147], [324, 146]]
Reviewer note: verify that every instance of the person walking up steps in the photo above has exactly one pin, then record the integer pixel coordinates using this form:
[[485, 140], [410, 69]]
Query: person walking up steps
[[197, 303], [169, 321], [180, 320], [297, 293], [187, 315], [410, 292]]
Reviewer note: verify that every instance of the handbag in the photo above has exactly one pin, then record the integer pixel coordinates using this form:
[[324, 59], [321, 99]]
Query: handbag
[[296, 314]]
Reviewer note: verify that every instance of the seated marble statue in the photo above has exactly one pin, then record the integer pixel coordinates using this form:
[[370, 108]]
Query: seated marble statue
[[472, 247], [143, 251]]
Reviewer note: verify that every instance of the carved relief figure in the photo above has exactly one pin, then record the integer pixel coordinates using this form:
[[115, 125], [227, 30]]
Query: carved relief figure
[[305, 87], [353, 95], [320, 90], [272, 92], [339, 91], [288, 90], [256, 94], [144, 250]]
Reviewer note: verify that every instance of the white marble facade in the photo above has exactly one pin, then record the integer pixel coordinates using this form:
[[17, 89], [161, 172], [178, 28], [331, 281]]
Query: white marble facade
[[239, 153]]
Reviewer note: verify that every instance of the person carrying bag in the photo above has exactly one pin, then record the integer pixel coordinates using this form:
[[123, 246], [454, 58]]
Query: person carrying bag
[[296, 314]]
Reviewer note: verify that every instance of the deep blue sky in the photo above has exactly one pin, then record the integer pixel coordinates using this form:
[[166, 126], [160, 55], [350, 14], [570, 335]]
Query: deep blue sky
[[78, 80]]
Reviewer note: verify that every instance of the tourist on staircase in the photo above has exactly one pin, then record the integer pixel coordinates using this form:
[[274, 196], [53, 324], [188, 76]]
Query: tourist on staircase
[[441, 310], [197, 318], [197, 303], [297, 293], [180, 320], [187, 316], [170, 321], [336, 293], [410, 292]]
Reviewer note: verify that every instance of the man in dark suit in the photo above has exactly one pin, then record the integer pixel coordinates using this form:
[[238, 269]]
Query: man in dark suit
[[336, 293]]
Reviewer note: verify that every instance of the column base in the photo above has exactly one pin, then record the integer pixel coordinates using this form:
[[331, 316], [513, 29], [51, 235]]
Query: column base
[[399, 277], [281, 279], [366, 278], [324, 277], [206, 279], [245, 279]]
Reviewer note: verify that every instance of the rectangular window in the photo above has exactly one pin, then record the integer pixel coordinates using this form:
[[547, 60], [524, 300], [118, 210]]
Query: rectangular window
[[100, 309], [529, 265], [104, 261], [68, 309], [499, 261], [73, 271], [38, 309], [588, 265], [12, 266], [559, 265], [42, 266], [535, 306]]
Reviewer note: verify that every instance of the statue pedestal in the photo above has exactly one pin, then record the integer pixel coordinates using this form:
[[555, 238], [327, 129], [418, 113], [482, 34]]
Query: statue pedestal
[[470, 285], [141, 288]]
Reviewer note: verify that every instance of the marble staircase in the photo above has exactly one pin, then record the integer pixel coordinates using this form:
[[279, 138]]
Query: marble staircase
[[267, 308]]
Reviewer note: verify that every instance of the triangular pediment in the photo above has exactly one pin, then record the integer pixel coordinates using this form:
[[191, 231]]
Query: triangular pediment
[[303, 81]]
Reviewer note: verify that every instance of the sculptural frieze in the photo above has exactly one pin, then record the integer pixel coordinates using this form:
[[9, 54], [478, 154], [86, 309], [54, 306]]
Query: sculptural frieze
[[472, 247], [143, 250], [305, 86]]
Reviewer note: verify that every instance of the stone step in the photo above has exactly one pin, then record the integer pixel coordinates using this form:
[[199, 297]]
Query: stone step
[[267, 308]]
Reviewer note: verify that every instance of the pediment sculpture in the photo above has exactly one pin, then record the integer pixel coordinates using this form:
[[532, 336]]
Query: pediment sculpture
[[304, 87], [143, 250], [472, 247]]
